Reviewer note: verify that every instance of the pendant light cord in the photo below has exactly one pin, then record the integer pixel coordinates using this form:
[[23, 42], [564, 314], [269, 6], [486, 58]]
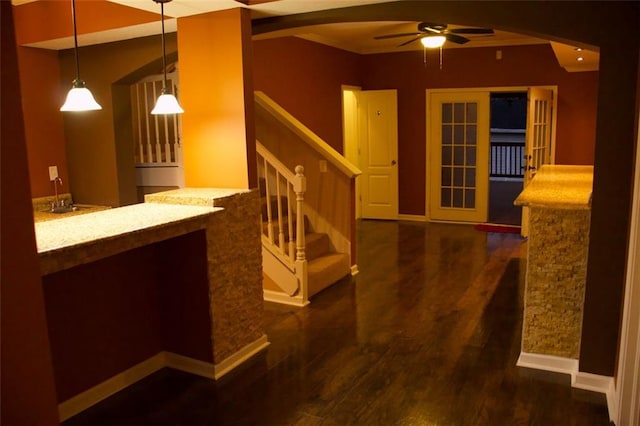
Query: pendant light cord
[[164, 51], [75, 37]]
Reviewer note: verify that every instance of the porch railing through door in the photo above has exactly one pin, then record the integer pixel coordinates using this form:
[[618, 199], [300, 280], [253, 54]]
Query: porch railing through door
[[507, 159]]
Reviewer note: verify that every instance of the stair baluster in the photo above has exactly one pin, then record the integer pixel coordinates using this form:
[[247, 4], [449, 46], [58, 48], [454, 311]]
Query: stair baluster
[[268, 193], [299, 187], [281, 241], [292, 245]]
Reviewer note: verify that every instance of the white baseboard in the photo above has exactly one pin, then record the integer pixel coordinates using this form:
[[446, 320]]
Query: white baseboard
[[231, 362], [552, 363], [412, 217], [97, 393], [283, 298], [601, 384], [189, 365], [579, 380], [354, 270], [92, 396]]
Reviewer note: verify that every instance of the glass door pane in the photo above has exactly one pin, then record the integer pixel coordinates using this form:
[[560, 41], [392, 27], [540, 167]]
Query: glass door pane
[[458, 147]]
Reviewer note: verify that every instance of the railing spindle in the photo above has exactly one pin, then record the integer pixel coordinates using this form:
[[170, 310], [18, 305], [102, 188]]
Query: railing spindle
[[140, 144], [167, 147], [146, 115], [300, 187], [158, 158], [292, 245], [268, 196], [281, 242]]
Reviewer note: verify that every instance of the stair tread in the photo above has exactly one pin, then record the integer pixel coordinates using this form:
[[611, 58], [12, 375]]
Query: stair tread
[[327, 270], [323, 261]]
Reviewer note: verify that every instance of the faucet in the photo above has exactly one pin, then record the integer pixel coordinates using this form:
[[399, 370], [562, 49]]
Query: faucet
[[56, 181]]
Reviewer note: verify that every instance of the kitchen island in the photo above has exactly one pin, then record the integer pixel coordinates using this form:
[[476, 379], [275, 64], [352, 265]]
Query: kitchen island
[[559, 202], [175, 282]]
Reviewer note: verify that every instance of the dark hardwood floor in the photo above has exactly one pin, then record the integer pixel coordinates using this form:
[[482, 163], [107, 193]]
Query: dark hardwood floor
[[427, 334], [502, 194]]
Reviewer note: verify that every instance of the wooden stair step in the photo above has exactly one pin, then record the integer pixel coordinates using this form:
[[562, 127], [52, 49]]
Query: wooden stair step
[[327, 270], [316, 245]]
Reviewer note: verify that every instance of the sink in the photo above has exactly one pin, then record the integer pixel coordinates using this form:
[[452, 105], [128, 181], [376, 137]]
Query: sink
[[64, 209]]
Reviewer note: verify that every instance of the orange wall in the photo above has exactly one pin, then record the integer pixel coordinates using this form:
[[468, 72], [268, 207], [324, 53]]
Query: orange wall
[[305, 78], [44, 127], [217, 126], [317, 71], [28, 394], [47, 20], [100, 159]]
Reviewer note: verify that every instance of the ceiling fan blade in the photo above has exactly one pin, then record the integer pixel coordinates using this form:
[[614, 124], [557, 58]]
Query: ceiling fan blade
[[432, 28], [471, 31], [382, 37], [410, 41], [456, 38]]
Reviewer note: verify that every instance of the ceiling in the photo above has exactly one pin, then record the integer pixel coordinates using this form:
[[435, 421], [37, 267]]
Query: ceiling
[[356, 37]]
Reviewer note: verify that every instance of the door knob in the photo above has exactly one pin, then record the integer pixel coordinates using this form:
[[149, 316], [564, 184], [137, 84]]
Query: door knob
[[393, 162]]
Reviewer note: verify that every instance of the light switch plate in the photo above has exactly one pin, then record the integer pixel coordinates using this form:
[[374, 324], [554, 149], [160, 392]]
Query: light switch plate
[[53, 172]]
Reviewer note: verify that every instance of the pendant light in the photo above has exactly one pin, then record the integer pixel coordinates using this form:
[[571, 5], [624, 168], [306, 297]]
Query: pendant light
[[79, 97], [166, 103]]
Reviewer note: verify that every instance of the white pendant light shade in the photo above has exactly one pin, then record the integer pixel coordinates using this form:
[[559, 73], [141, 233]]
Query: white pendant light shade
[[167, 104], [80, 98], [433, 41]]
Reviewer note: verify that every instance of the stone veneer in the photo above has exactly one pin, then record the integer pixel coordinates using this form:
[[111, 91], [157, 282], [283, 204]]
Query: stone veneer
[[556, 276], [234, 252], [559, 202]]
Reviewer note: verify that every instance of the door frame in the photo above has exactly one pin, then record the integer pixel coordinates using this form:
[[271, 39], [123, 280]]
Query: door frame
[[351, 137], [497, 89]]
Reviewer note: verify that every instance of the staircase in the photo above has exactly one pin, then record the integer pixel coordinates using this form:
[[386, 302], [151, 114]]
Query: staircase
[[297, 262]]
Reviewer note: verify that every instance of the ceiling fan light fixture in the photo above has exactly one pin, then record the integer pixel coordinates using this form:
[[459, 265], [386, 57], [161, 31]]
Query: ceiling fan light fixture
[[166, 103], [433, 41]]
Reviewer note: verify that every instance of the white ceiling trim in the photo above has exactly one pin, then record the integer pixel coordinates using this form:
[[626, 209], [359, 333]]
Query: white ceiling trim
[[101, 37], [182, 8], [567, 57]]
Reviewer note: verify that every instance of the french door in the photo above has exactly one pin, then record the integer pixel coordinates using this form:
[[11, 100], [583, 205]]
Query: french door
[[458, 143], [538, 139]]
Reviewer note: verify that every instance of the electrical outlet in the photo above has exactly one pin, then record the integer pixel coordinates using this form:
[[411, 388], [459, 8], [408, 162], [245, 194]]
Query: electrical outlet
[[53, 172], [323, 166]]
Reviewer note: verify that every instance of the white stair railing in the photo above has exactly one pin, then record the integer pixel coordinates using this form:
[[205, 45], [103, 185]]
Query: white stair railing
[[285, 188], [156, 137]]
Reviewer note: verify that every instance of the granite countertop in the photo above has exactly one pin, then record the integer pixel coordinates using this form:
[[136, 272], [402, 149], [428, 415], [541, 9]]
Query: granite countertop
[[74, 240], [559, 187], [193, 196]]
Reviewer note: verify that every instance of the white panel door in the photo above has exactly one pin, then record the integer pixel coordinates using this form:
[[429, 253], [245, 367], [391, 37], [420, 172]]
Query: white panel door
[[379, 153], [458, 143]]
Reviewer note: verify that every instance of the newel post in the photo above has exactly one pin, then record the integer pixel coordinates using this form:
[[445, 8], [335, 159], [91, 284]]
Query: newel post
[[300, 187]]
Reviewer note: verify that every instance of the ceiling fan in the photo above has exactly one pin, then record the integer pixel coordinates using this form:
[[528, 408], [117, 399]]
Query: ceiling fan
[[428, 29]]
